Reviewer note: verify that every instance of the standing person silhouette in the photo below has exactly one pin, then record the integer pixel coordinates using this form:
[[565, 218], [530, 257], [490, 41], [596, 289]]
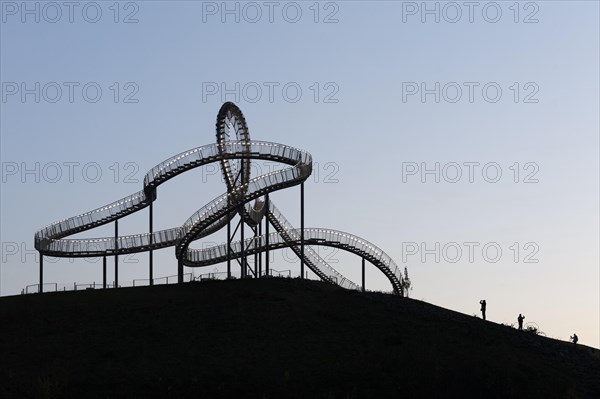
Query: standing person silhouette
[[520, 320], [483, 306]]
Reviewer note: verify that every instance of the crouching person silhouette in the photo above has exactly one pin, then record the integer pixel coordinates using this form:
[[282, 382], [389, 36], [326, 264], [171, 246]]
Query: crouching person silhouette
[[574, 338]]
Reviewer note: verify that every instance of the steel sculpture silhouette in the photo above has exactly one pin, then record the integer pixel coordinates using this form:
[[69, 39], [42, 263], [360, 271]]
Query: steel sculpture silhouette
[[246, 198]]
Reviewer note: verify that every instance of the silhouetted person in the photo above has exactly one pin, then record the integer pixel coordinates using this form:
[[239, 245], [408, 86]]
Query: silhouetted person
[[574, 338], [520, 320], [483, 305]]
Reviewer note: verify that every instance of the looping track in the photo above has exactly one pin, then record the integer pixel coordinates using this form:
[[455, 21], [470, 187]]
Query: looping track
[[234, 157]]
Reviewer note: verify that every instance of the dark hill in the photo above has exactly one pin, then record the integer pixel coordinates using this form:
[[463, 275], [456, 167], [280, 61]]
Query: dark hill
[[273, 338]]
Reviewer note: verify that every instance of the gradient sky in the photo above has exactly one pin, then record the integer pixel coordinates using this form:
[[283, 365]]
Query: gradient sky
[[364, 128]]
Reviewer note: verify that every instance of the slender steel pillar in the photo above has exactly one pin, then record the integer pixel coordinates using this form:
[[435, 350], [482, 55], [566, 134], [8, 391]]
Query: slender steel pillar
[[151, 257], [302, 230], [116, 255], [267, 235], [41, 289], [229, 249], [363, 274], [243, 258], [243, 224], [255, 251], [260, 255], [104, 271], [228, 242], [180, 271]]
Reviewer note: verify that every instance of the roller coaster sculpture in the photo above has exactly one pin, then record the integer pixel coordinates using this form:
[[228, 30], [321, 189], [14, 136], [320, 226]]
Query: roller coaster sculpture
[[234, 151]]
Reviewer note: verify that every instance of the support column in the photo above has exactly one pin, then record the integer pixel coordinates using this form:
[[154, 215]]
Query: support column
[[267, 235], [151, 257], [104, 272], [243, 254], [255, 251], [302, 230], [41, 288], [228, 247], [363, 274], [243, 223], [260, 255], [116, 255], [180, 271]]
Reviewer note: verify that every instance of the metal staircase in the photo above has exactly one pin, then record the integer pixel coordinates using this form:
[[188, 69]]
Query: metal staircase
[[234, 158]]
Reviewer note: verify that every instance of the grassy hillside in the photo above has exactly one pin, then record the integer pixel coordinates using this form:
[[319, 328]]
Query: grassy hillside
[[273, 338]]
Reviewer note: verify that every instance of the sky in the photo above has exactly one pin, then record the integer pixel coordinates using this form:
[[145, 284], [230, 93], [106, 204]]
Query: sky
[[459, 137]]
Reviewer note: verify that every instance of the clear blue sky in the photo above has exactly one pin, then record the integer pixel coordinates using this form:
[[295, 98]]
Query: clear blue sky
[[369, 74]]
